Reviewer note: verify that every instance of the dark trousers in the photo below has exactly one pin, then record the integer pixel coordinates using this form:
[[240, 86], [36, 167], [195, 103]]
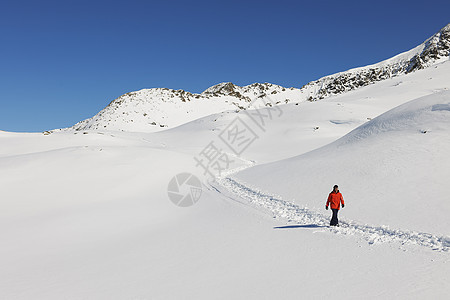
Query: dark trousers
[[334, 219]]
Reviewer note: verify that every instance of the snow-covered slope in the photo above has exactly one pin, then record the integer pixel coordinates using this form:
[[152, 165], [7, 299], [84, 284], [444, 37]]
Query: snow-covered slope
[[298, 128], [393, 170], [86, 216], [151, 110]]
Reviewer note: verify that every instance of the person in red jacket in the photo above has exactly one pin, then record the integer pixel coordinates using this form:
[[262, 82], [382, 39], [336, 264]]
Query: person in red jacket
[[335, 200]]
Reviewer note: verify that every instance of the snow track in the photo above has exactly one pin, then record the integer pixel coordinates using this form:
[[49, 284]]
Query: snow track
[[291, 212]]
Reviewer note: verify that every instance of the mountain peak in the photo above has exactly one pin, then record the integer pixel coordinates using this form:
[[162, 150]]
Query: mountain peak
[[224, 88]]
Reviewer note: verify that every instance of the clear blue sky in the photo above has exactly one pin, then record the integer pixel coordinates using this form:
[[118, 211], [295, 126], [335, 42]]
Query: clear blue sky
[[63, 61]]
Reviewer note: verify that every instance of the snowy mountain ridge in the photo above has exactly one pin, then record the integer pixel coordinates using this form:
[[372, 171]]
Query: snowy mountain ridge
[[434, 49], [155, 109]]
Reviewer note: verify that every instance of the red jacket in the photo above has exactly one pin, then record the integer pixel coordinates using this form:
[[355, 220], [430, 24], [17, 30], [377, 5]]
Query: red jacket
[[335, 199]]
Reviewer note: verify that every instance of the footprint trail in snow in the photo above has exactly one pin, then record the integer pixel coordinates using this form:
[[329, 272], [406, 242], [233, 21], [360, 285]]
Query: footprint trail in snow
[[279, 208]]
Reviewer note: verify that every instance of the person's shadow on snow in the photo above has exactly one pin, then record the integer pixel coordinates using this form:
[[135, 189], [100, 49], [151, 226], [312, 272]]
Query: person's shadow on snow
[[299, 226]]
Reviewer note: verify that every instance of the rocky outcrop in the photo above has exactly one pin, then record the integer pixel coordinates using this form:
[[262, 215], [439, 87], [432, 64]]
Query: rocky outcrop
[[435, 48]]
